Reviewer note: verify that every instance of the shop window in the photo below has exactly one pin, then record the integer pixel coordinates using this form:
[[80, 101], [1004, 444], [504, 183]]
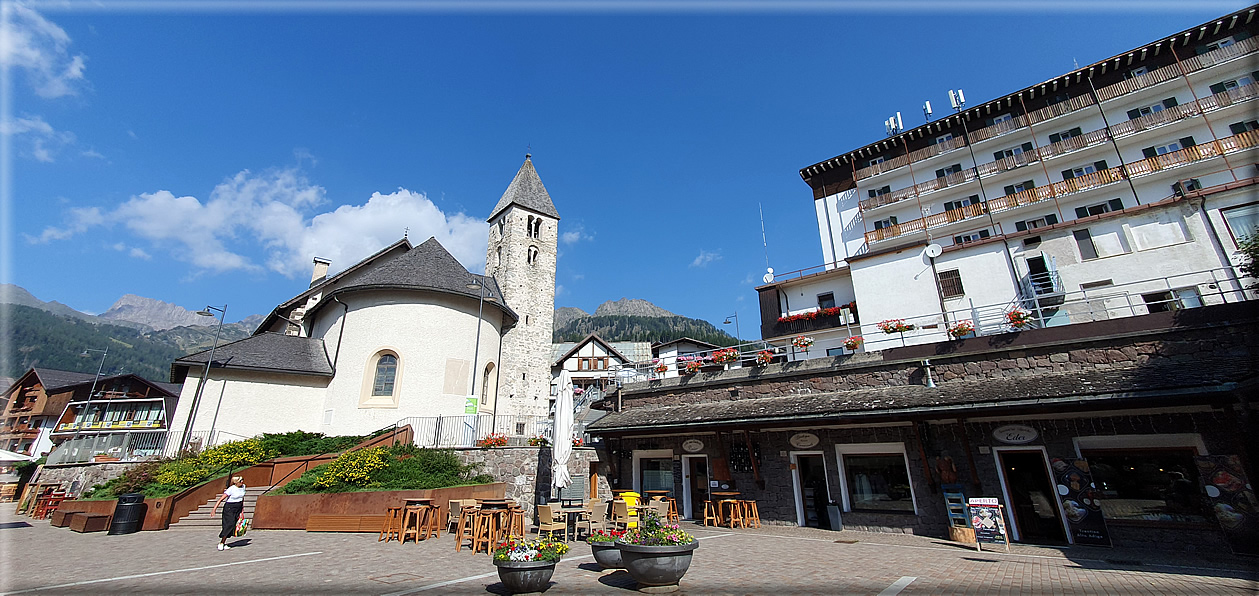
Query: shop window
[[1147, 485], [951, 284], [656, 473], [877, 482]]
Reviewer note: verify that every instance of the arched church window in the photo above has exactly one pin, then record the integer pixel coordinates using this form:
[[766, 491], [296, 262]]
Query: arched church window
[[499, 261], [537, 228], [485, 383], [529, 226], [533, 255], [386, 371], [381, 377], [500, 226]]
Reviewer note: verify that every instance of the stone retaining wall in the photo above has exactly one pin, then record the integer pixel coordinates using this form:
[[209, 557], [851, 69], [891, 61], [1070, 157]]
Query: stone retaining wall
[[527, 470]]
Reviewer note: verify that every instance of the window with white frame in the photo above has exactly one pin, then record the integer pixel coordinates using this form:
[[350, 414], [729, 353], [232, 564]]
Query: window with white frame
[[952, 205], [875, 477], [953, 169], [1242, 221], [1231, 84], [1002, 118], [1100, 208], [1020, 187], [944, 138], [1171, 147], [1096, 166], [878, 192], [1243, 126], [1066, 134], [885, 223], [1217, 44], [1039, 222], [874, 162], [1153, 108], [970, 237], [1136, 72], [1012, 151]]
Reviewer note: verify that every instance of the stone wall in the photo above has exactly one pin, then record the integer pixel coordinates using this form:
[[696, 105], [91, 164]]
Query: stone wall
[[527, 470], [77, 478]]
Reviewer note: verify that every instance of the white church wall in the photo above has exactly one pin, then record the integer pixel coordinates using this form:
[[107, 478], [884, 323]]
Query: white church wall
[[251, 402]]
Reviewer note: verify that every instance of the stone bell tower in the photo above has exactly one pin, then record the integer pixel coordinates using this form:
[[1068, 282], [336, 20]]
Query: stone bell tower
[[523, 240]]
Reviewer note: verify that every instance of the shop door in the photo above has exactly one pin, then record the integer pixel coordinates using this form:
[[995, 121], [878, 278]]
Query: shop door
[[812, 494], [1031, 497], [696, 486]]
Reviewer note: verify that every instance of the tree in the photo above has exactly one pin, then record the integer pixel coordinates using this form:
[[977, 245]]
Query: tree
[[1249, 246]]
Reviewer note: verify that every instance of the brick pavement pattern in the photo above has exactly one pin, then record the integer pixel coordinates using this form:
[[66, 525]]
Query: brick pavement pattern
[[40, 559]]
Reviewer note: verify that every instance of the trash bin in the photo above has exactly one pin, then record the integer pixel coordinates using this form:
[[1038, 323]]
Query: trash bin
[[832, 512], [128, 514]]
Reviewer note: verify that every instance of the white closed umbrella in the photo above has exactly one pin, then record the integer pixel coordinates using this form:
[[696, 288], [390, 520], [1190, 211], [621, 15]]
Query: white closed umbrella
[[562, 432]]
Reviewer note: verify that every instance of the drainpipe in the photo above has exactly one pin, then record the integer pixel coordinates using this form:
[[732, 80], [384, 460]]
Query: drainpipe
[[340, 332]]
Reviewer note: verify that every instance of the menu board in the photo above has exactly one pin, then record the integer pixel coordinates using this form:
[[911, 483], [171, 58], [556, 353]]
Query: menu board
[[1232, 500], [1081, 502], [988, 521]]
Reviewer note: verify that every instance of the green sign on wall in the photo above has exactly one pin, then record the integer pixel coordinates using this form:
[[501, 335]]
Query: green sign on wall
[[469, 406]]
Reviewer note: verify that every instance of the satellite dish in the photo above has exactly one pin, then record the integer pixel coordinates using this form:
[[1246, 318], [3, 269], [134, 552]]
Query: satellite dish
[[769, 275], [933, 251]]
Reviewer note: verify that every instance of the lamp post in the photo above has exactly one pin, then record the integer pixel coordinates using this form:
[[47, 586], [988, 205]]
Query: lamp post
[[482, 296], [88, 404], [734, 316], [205, 376]]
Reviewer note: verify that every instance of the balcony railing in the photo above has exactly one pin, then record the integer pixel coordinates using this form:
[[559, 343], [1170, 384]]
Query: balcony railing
[[1233, 144], [109, 425], [841, 317], [1154, 77]]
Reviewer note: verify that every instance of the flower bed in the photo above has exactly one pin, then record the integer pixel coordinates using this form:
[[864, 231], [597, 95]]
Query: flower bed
[[400, 467]]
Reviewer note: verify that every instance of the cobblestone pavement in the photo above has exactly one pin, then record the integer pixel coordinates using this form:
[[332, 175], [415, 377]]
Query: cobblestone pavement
[[40, 559]]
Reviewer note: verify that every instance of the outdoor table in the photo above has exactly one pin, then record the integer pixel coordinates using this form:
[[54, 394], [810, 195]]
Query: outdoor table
[[718, 497], [495, 503], [570, 517], [417, 501], [657, 493]]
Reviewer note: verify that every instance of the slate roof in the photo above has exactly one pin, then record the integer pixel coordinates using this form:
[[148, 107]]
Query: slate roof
[[268, 351], [1216, 375], [635, 351], [526, 190], [53, 379], [327, 282]]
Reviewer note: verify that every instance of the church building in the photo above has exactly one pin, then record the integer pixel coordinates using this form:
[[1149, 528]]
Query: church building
[[406, 332]]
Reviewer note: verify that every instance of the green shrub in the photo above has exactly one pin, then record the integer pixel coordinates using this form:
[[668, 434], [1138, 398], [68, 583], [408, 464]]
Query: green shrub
[[405, 467], [182, 472], [305, 443], [235, 454]]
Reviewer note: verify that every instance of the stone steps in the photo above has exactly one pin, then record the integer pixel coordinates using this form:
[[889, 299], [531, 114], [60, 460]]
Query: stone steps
[[199, 519]]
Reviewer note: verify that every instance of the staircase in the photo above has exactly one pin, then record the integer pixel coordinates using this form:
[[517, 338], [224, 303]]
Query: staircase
[[200, 518]]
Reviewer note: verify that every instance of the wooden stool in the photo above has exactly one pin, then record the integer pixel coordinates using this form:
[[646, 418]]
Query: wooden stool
[[392, 527], [708, 514], [411, 517], [673, 511], [483, 532], [751, 514], [515, 522], [735, 514], [465, 529], [434, 526]]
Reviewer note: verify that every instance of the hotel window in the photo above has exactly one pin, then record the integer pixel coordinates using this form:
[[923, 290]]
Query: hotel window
[[1064, 135], [1241, 127], [953, 169], [944, 138], [1155, 485], [874, 162], [1032, 224], [1177, 145], [1136, 72], [1084, 241], [1020, 187], [1155, 108], [1096, 166], [826, 300], [1012, 151], [951, 284], [971, 237], [1242, 221], [885, 223], [1229, 85], [877, 482], [1100, 208], [953, 205], [1215, 45], [1181, 187], [1001, 118], [878, 192]]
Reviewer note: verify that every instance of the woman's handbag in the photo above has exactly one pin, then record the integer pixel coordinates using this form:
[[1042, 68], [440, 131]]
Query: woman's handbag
[[242, 526]]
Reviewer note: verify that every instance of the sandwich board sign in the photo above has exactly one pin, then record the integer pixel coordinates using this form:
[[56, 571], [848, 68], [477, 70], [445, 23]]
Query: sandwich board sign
[[988, 520]]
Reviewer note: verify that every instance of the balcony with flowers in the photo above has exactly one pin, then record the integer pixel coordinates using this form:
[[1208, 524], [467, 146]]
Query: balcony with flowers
[[818, 319]]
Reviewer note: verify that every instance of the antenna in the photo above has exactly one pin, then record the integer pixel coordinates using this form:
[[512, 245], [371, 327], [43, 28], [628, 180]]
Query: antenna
[[926, 110], [764, 244], [956, 99], [899, 124], [893, 124]]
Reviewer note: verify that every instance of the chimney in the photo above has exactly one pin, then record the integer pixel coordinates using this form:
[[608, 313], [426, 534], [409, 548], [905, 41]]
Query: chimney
[[321, 271]]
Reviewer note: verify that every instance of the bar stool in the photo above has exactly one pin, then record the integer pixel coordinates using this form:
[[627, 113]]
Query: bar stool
[[431, 525], [735, 514], [515, 522], [751, 515], [466, 526], [392, 529], [708, 514], [673, 511], [411, 517], [483, 531]]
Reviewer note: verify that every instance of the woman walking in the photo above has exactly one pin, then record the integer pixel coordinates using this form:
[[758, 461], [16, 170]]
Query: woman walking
[[235, 498]]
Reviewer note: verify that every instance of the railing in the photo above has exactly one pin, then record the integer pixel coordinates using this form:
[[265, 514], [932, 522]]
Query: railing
[[1224, 146], [132, 446], [1154, 77], [844, 317], [465, 431], [109, 425], [1036, 285]]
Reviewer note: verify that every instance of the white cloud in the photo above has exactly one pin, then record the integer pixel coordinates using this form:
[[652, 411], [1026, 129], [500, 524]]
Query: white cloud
[[560, 290], [40, 48], [576, 234], [257, 222], [38, 139], [705, 258], [139, 254], [92, 153]]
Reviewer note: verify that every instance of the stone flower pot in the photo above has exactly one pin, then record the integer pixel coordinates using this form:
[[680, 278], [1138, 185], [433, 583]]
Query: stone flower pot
[[657, 568], [607, 555], [524, 577]]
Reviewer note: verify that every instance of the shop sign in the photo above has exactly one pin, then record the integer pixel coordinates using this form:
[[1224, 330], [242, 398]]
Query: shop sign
[[1081, 502], [1015, 434], [692, 445], [988, 521], [804, 440]]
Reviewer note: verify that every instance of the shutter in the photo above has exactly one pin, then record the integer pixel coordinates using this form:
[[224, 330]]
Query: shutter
[[1027, 147], [940, 173], [1217, 88], [872, 195], [1054, 138], [878, 225], [1081, 212], [893, 218], [1169, 102], [1068, 174], [1029, 184], [998, 155], [1187, 142], [1240, 35], [1085, 242], [1134, 114], [988, 122], [1051, 219], [1009, 190], [957, 240], [1115, 204], [1100, 165], [983, 233], [1149, 152], [1237, 128], [1020, 226]]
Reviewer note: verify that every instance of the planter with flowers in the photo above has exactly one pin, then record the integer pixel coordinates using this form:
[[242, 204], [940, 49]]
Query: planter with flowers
[[578, 443], [891, 326], [854, 342], [802, 342], [603, 547], [661, 367], [692, 367], [961, 329], [726, 355], [527, 566], [656, 554], [539, 441], [764, 357], [1019, 319], [492, 440]]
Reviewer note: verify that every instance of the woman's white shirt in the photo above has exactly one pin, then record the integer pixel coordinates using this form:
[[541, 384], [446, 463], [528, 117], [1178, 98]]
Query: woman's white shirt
[[235, 494]]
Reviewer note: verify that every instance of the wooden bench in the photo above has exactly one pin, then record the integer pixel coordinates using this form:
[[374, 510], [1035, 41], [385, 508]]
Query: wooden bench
[[61, 519], [89, 522], [320, 522]]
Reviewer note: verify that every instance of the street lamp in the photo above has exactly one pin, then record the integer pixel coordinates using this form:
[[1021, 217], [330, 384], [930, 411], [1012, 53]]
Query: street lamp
[[88, 404], [196, 397], [482, 295], [734, 316]]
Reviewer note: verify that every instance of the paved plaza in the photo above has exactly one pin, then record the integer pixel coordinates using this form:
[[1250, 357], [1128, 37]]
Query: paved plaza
[[40, 559]]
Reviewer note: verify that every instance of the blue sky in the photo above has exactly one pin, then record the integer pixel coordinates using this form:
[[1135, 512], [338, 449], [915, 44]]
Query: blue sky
[[204, 157]]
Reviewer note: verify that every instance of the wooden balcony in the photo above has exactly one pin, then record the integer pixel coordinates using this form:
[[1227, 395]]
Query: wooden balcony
[[1154, 77], [1227, 145], [820, 323]]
